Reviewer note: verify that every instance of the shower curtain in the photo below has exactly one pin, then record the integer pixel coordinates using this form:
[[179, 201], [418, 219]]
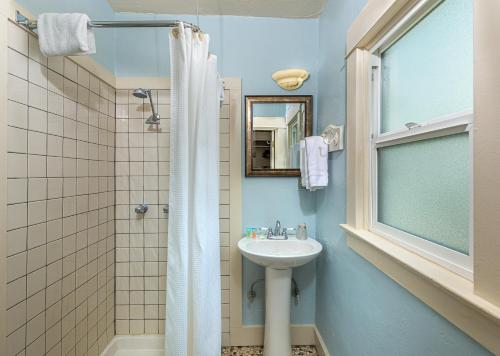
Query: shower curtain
[[193, 316]]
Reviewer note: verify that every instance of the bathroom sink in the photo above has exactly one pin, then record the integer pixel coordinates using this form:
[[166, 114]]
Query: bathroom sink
[[279, 257], [280, 254]]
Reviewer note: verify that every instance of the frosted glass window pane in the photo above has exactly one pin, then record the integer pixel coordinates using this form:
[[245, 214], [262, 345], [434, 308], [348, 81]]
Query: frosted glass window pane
[[423, 189], [427, 73]]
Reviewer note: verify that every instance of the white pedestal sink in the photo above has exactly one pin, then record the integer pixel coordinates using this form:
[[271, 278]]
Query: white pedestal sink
[[279, 257]]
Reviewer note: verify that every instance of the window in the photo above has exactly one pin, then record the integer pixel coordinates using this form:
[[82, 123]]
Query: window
[[422, 97]]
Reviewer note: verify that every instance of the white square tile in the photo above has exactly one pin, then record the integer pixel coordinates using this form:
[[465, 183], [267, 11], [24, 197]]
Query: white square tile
[[17, 89], [17, 38], [54, 251], [69, 147], [54, 230], [17, 140], [82, 113], [69, 109], [83, 77], [70, 70], [37, 212], [54, 187], [164, 97], [56, 64], [17, 165], [17, 191], [54, 145], [55, 82], [69, 128], [37, 97], [55, 125], [83, 95], [37, 74], [70, 90], [16, 266], [37, 189], [37, 258], [55, 103], [54, 209], [37, 166], [17, 64], [34, 51], [54, 167], [16, 292], [37, 120], [37, 235], [69, 167], [37, 143], [69, 206], [17, 114]]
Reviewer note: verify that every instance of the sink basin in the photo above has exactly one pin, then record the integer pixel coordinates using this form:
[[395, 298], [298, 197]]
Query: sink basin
[[280, 254]]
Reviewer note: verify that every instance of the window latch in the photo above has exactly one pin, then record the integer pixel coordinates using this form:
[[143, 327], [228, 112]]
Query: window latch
[[412, 125]]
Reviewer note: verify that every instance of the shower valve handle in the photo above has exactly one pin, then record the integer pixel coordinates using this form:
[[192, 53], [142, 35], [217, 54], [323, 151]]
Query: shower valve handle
[[141, 209]]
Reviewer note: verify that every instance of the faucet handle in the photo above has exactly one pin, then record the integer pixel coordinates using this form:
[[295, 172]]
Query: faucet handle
[[270, 232], [284, 233]]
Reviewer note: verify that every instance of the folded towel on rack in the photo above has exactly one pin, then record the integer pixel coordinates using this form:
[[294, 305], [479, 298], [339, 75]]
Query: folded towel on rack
[[315, 162], [65, 34]]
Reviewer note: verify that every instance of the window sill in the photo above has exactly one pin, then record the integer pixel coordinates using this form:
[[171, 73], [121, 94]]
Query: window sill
[[447, 293]]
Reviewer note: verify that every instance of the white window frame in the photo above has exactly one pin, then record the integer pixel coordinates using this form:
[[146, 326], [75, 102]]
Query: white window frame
[[459, 122]]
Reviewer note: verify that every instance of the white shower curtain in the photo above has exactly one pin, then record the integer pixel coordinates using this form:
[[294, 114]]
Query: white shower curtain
[[193, 317]]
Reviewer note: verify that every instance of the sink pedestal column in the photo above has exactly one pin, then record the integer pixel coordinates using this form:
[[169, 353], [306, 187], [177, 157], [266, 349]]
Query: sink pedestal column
[[277, 341]]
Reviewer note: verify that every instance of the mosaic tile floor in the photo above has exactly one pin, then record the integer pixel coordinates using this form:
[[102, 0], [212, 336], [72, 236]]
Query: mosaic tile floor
[[259, 351]]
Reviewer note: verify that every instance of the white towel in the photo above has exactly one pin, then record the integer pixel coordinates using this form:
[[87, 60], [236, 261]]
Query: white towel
[[303, 165], [316, 153], [65, 34]]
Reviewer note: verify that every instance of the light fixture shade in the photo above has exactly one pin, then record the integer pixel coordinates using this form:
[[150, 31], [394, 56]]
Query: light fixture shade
[[290, 79]]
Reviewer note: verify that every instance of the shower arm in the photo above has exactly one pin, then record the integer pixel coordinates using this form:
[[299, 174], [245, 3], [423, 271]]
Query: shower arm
[[152, 104]]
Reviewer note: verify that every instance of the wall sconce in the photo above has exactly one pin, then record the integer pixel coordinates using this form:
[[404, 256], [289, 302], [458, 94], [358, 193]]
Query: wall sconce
[[290, 79]]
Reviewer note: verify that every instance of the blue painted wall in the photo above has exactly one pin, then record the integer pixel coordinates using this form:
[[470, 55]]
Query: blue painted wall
[[359, 310]]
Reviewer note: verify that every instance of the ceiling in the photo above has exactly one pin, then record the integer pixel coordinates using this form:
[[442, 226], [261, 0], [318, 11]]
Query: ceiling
[[258, 8]]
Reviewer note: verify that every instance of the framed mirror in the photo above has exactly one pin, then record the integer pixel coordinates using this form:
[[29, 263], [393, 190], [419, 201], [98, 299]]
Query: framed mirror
[[274, 127]]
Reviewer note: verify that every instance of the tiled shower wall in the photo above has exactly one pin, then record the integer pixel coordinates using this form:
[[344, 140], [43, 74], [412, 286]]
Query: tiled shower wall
[[60, 239], [142, 176]]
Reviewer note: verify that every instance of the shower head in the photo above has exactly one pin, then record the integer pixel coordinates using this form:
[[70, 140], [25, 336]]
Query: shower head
[[141, 93]]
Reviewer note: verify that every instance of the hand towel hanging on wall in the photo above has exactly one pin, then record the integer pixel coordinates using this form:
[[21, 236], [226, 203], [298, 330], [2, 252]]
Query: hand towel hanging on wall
[[314, 163]]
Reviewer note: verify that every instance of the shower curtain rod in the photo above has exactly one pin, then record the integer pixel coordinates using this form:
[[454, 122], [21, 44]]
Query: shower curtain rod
[[32, 24]]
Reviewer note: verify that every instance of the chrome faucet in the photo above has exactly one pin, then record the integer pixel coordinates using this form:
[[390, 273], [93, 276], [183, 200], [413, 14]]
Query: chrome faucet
[[278, 231], [277, 228]]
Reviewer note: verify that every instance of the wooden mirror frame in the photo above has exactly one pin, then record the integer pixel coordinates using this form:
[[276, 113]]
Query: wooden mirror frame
[[255, 99]]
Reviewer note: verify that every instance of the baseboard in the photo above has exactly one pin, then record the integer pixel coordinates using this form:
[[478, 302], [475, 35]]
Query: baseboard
[[320, 344]]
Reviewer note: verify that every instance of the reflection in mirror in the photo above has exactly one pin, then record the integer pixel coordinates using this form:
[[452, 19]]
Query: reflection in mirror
[[275, 126], [277, 130]]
